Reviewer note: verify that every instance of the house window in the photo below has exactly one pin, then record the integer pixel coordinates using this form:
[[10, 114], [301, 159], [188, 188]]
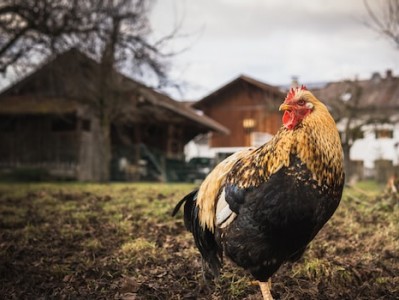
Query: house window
[[357, 133], [384, 133], [248, 124], [8, 124], [175, 146], [354, 134], [64, 123], [86, 125]]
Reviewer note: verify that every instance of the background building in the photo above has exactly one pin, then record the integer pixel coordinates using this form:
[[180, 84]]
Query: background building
[[48, 124], [248, 108]]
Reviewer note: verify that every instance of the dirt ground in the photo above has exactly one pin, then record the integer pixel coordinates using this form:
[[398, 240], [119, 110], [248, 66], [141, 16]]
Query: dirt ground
[[82, 241]]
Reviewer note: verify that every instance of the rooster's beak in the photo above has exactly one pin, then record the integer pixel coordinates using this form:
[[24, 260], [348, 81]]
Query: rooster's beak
[[284, 107]]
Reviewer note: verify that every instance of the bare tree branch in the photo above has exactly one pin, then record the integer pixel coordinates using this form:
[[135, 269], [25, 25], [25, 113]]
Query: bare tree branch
[[384, 18]]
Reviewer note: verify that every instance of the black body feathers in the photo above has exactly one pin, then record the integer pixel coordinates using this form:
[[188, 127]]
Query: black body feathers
[[276, 220], [203, 237], [274, 224]]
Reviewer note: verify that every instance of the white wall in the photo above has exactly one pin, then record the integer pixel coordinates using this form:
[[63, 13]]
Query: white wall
[[198, 147], [367, 149], [193, 149], [370, 149]]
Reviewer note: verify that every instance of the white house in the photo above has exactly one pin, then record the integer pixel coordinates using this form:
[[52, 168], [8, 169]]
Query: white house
[[372, 106]]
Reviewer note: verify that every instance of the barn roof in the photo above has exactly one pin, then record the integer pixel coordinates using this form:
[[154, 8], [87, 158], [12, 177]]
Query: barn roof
[[240, 79], [166, 102], [69, 79], [378, 92]]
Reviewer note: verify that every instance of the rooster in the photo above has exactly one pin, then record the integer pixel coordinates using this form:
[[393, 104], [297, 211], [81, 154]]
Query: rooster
[[262, 207]]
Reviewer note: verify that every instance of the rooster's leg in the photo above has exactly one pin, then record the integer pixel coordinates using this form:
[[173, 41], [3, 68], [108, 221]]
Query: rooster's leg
[[265, 289]]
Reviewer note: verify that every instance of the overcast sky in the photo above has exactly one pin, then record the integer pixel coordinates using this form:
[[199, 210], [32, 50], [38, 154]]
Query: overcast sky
[[271, 40]]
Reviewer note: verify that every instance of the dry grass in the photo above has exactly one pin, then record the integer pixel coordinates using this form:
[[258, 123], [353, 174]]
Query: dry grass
[[88, 241]]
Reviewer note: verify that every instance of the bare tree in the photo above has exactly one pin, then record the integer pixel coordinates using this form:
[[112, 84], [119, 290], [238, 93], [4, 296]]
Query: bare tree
[[384, 18], [33, 27], [116, 33], [346, 110]]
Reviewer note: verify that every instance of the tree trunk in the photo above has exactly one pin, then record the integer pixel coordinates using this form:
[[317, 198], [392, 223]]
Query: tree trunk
[[101, 152], [105, 153], [105, 104], [347, 161]]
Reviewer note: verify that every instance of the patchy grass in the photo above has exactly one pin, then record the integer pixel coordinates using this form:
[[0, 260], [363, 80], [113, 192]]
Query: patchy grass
[[118, 241]]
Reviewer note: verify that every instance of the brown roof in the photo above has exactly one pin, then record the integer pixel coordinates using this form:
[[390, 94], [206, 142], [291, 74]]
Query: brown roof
[[70, 76], [375, 93], [162, 100], [242, 78]]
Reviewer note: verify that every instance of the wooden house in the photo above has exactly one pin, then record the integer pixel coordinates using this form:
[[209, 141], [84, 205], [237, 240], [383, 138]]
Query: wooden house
[[248, 108], [49, 121]]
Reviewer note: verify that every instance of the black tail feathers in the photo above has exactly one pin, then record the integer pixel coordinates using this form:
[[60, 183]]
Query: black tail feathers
[[203, 237], [189, 201], [179, 204]]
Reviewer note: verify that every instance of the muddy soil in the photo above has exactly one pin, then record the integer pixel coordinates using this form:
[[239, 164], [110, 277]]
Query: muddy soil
[[80, 242]]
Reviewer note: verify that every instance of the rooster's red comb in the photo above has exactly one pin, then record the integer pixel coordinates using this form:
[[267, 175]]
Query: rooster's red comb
[[293, 91]]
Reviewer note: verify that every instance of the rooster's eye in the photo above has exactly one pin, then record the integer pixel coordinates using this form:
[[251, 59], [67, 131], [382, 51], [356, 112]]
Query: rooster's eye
[[301, 102]]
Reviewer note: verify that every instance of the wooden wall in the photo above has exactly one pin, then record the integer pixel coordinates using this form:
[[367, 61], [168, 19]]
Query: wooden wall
[[240, 102], [39, 142]]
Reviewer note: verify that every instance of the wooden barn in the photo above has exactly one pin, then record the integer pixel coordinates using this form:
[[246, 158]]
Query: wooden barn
[[248, 108], [48, 122]]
